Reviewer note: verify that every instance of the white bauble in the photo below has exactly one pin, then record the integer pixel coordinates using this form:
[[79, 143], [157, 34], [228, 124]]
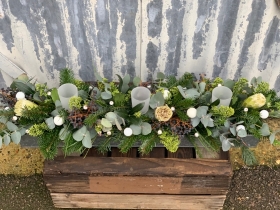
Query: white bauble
[[264, 114], [196, 134], [127, 131], [49, 93], [166, 94], [109, 133], [240, 127], [191, 112], [159, 132], [7, 108], [58, 120], [85, 107], [20, 95], [15, 118], [111, 103], [172, 109]]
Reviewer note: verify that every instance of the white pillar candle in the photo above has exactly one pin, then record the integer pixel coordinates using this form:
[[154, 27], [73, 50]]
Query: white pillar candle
[[141, 95], [65, 92]]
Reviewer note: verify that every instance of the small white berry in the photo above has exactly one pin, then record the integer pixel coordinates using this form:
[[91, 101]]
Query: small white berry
[[20, 95], [219, 85], [264, 114], [111, 103], [172, 109], [245, 109], [90, 87], [196, 134], [149, 86], [27, 131], [109, 133], [7, 108], [191, 112], [49, 93], [58, 120], [15, 118], [159, 132], [85, 107], [127, 132]]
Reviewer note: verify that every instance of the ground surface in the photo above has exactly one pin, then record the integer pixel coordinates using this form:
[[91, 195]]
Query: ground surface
[[255, 189]]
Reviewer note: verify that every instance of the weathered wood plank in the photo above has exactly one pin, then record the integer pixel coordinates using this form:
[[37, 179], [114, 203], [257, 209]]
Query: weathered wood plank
[[115, 152], [128, 201], [138, 185], [137, 166], [93, 152], [181, 153], [157, 152]]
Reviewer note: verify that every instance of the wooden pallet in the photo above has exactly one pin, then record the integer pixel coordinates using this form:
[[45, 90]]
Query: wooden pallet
[[160, 180]]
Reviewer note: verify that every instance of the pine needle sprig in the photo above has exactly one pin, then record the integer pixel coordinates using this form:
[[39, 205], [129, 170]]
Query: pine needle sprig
[[248, 156], [71, 145], [66, 75]]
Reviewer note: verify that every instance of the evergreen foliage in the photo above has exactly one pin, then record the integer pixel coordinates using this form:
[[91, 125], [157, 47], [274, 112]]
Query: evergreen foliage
[[66, 76], [248, 156]]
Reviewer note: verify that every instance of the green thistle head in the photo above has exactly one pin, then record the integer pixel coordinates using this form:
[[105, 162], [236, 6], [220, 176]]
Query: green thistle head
[[170, 141], [38, 129], [75, 102]]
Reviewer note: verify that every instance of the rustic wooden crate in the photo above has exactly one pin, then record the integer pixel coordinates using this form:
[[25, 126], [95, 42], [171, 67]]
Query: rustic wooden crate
[[160, 180]]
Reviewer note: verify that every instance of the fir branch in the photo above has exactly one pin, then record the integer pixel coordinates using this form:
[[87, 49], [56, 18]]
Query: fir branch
[[92, 118], [49, 142], [105, 145], [71, 145], [66, 76], [184, 104], [127, 143], [148, 143], [186, 81], [248, 156]]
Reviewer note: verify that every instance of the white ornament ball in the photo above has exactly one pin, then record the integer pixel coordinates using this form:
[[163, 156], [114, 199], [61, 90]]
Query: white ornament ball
[[245, 109], [172, 109], [20, 95], [166, 94], [7, 108], [58, 120], [191, 112], [127, 131], [15, 118], [149, 86], [196, 134], [109, 133], [27, 131], [240, 127], [85, 107], [111, 103], [90, 87], [159, 132], [219, 85], [49, 93], [264, 114]]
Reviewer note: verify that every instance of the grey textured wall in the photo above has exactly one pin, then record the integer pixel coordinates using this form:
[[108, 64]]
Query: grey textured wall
[[141, 37]]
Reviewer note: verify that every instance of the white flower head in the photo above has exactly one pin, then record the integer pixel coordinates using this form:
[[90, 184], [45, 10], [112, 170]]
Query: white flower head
[[166, 94], [109, 133], [15, 118]]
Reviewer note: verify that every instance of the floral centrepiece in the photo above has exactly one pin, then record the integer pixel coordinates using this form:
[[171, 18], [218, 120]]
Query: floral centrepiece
[[218, 113]]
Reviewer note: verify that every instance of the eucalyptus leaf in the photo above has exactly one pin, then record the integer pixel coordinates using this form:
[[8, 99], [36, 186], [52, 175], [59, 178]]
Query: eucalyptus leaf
[[241, 133], [54, 113], [195, 121], [259, 79], [160, 75], [226, 145], [111, 116], [50, 123], [201, 111], [106, 95], [157, 100], [265, 130], [16, 136], [125, 88], [205, 121], [202, 86], [227, 124], [54, 95], [182, 91], [11, 126], [215, 133], [58, 104], [138, 107], [117, 123], [211, 122], [63, 133], [222, 138], [22, 131], [136, 129], [79, 134], [3, 120], [126, 79], [36, 97], [146, 128], [229, 83], [92, 133], [7, 139], [254, 81], [272, 138], [136, 81], [87, 140], [192, 93], [96, 92], [233, 130], [106, 123], [83, 94], [97, 76]]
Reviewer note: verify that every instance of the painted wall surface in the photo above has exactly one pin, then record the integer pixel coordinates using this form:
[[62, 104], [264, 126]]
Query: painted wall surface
[[223, 38]]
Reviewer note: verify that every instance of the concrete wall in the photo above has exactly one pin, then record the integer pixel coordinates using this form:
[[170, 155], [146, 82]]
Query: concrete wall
[[226, 38]]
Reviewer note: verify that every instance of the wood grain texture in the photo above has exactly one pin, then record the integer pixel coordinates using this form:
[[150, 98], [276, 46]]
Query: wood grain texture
[[115, 152], [155, 153], [137, 185], [182, 153], [128, 201], [137, 166]]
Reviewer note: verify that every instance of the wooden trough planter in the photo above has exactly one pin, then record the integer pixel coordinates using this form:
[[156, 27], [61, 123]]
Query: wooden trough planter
[[160, 180]]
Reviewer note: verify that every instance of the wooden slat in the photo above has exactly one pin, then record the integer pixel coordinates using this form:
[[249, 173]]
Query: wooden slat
[[137, 166], [115, 152], [146, 185], [94, 153], [128, 201], [186, 152], [157, 152]]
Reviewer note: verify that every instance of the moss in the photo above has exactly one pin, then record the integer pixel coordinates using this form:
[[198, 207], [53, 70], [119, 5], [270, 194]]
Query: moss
[[170, 141], [38, 129], [75, 102], [223, 111], [263, 88]]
